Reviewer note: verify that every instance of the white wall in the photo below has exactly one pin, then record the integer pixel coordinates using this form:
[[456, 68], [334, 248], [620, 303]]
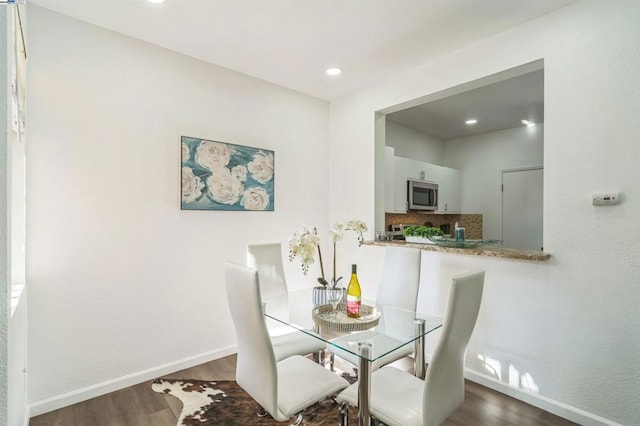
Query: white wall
[[13, 325], [18, 410], [481, 158], [5, 282], [561, 333], [124, 286], [409, 143]]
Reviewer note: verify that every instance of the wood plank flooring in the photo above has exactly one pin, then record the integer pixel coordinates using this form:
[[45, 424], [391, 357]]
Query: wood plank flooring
[[140, 406]]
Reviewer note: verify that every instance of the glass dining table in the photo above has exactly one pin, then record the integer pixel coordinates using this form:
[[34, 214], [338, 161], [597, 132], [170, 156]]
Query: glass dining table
[[380, 331]]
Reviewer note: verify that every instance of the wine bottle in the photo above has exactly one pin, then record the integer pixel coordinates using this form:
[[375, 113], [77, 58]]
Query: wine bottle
[[354, 295]]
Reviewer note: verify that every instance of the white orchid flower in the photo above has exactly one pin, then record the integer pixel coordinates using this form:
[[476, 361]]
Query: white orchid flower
[[304, 244]]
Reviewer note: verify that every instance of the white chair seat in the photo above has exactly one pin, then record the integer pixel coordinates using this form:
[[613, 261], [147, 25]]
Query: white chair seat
[[379, 341], [302, 383], [396, 397], [295, 343]]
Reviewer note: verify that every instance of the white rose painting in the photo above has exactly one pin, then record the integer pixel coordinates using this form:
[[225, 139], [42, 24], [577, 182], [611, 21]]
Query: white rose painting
[[224, 176], [261, 167], [255, 199], [191, 186]]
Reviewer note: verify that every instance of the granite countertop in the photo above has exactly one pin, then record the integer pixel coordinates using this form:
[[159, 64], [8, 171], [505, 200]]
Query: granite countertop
[[491, 251]]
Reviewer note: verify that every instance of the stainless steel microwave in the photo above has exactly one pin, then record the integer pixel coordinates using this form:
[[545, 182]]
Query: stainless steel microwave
[[422, 195]]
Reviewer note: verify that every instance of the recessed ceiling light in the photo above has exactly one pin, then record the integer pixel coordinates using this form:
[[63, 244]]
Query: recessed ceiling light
[[471, 121], [333, 71], [528, 123], [156, 1]]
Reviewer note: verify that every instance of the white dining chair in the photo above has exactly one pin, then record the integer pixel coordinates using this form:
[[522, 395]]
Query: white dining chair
[[285, 388], [398, 289], [399, 398], [267, 259]]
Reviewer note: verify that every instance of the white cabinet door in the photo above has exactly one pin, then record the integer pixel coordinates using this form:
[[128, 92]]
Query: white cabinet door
[[401, 170], [449, 192], [389, 176], [429, 172], [420, 170]]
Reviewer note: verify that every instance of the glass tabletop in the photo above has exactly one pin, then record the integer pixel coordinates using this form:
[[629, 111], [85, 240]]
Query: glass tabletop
[[391, 327]]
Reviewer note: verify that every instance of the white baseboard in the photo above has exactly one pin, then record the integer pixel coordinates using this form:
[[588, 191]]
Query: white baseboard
[[83, 394], [558, 408]]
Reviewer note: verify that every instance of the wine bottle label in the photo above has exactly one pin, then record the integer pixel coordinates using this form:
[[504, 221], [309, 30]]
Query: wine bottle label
[[353, 306]]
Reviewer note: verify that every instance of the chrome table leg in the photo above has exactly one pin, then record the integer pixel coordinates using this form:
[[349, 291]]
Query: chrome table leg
[[318, 357], [419, 367], [344, 414], [364, 383]]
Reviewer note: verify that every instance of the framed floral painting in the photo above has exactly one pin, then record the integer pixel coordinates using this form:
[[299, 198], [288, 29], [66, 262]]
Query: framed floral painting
[[224, 176]]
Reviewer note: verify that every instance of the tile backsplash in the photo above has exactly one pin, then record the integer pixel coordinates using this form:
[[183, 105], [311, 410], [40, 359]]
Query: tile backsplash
[[472, 222]]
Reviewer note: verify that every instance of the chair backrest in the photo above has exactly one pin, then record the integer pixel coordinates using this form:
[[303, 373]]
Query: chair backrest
[[444, 382], [400, 278], [256, 370], [267, 259]]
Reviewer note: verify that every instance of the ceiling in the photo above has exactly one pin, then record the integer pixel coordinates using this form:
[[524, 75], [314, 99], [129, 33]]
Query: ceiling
[[292, 42], [496, 106]]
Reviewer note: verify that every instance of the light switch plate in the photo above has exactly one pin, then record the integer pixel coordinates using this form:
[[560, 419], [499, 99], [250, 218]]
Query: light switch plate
[[606, 199]]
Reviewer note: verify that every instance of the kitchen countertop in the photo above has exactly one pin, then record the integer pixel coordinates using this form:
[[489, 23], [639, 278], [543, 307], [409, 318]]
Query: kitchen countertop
[[491, 251]]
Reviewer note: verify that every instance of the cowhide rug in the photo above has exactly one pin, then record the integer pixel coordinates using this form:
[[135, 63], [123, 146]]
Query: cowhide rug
[[223, 402]]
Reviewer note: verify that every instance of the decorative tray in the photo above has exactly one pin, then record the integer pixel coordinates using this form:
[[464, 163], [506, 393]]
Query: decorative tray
[[323, 316], [451, 242]]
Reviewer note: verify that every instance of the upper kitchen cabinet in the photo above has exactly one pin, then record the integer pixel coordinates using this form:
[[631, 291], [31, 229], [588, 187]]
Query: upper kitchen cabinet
[[449, 190], [389, 179], [400, 174], [402, 169], [414, 169]]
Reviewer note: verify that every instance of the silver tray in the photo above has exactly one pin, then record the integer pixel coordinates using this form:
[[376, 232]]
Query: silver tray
[[323, 317]]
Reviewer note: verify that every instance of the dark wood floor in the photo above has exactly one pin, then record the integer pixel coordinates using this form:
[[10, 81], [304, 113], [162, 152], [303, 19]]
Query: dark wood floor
[[140, 406]]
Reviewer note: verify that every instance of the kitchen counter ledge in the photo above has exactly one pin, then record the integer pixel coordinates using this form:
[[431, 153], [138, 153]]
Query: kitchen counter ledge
[[491, 251]]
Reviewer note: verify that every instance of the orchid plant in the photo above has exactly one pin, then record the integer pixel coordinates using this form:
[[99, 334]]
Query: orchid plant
[[305, 243]]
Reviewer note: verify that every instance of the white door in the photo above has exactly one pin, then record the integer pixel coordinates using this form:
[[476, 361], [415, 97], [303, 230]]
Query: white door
[[522, 208]]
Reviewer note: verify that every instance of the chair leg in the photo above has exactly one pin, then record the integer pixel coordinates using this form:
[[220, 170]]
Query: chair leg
[[332, 361], [299, 419], [344, 414], [318, 357]]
